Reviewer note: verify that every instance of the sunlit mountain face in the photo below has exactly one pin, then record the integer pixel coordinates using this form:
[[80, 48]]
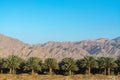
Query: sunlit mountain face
[[60, 50]]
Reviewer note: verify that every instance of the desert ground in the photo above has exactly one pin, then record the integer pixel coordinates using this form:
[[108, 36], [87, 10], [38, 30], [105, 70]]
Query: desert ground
[[57, 77]]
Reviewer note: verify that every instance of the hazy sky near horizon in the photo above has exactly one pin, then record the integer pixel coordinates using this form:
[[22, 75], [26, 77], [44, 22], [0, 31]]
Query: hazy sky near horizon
[[39, 21]]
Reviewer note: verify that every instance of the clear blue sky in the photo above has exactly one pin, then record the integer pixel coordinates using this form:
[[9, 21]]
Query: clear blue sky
[[39, 21]]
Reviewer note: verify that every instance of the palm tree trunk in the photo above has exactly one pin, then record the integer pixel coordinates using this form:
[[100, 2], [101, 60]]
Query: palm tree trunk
[[33, 72], [89, 70], [108, 71], [104, 71], [1, 71], [86, 71], [10, 71], [13, 70], [70, 72], [50, 70], [99, 70]]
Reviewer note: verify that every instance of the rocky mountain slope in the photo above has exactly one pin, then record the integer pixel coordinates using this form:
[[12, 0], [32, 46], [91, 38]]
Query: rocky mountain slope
[[59, 50]]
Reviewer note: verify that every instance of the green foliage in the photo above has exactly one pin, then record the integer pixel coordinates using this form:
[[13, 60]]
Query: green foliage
[[101, 62], [68, 64], [51, 63], [87, 64], [118, 61], [1, 62], [89, 61], [79, 63], [12, 62], [110, 62], [33, 63]]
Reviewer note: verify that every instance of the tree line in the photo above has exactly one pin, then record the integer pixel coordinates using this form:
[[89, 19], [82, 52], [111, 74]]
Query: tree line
[[67, 66]]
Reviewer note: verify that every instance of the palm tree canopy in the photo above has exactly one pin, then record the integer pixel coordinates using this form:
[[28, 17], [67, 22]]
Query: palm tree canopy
[[51, 63], [89, 61], [1, 62], [101, 62], [118, 61], [12, 61], [110, 62]]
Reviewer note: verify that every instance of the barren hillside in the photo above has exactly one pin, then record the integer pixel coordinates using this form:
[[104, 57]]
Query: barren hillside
[[59, 50]]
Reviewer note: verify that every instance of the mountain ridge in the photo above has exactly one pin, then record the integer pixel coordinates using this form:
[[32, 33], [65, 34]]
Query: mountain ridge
[[60, 50]]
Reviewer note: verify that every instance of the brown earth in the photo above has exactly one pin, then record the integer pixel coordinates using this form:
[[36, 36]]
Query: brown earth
[[57, 77]]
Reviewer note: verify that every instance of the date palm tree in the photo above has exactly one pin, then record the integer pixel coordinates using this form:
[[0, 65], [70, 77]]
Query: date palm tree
[[89, 62], [101, 64], [68, 64], [118, 63], [12, 62], [110, 64], [1, 63], [51, 63], [33, 64]]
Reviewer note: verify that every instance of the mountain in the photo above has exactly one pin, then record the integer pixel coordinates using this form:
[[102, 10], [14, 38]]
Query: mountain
[[60, 50]]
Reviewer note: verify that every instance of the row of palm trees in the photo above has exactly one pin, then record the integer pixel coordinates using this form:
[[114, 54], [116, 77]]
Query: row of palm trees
[[101, 65]]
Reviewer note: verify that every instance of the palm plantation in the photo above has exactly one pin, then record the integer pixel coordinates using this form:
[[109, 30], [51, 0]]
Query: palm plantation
[[68, 65]]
